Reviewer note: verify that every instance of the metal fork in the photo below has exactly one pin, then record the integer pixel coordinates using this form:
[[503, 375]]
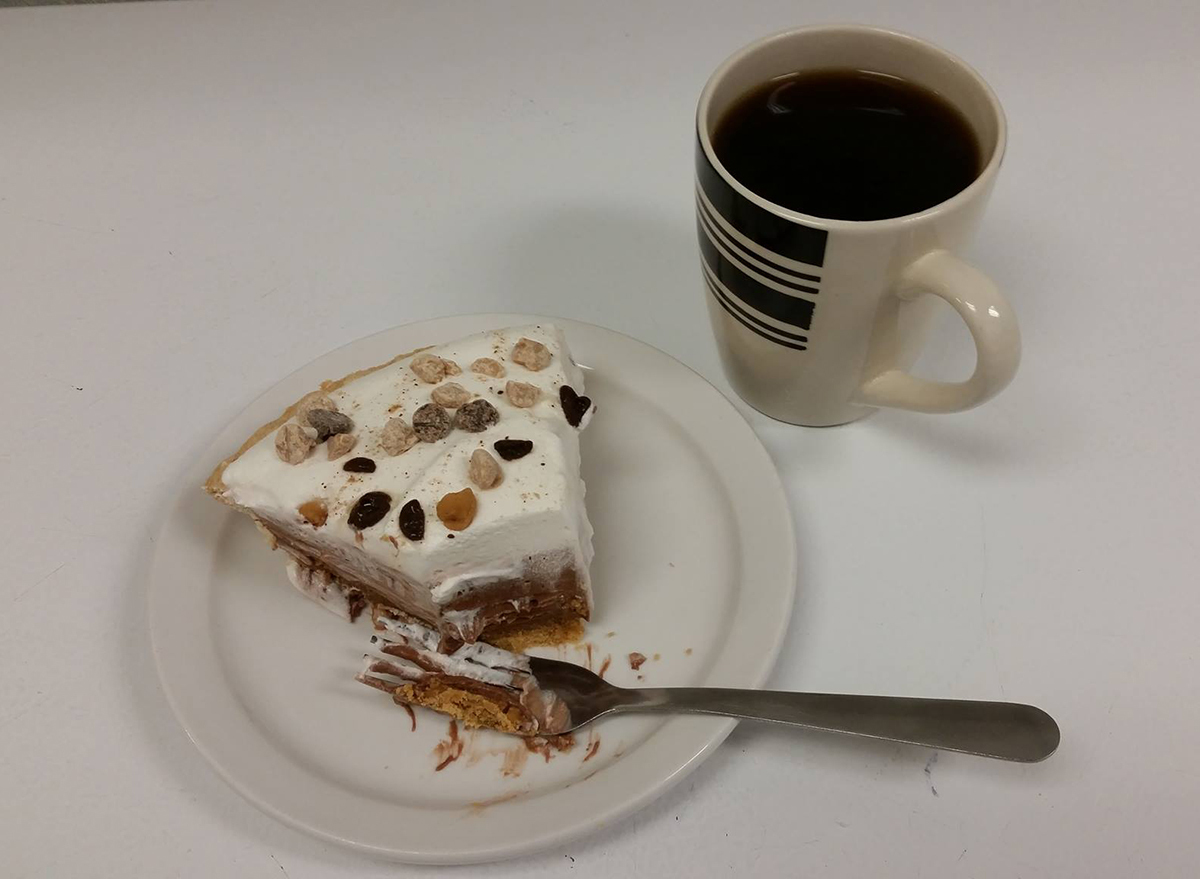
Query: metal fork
[[1003, 730]]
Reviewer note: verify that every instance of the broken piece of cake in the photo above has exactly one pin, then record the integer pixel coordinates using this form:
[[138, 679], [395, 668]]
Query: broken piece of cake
[[444, 483], [477, 684]]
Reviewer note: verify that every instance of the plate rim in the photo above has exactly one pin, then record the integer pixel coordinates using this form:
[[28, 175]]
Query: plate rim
[[713, 730]]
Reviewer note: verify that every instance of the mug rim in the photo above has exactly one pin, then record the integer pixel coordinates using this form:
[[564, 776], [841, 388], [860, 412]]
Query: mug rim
[[981, 181]]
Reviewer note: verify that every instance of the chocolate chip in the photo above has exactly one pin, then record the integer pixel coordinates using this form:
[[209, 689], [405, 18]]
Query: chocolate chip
[[476, 416], [412, 520], [573, 405], [511, 449], [329, 423], [359, 465], [369, 509], [431, 422]]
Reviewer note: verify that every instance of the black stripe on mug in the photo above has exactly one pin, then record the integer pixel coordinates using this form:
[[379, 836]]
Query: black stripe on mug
[[737, 256], [760, 262], [785, 237], [784, 308], [752, 323]]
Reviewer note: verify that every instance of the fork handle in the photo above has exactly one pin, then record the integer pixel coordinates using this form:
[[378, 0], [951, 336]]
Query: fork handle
[[1004, 730]]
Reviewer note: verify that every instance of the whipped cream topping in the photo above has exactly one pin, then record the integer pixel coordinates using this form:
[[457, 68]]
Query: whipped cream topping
[[534, 516]]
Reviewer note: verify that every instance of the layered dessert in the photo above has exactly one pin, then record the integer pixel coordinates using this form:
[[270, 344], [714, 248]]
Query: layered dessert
[[478, 684], [443, 484]]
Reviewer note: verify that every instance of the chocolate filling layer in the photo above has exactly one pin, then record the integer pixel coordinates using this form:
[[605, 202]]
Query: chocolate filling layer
[[499, 609]]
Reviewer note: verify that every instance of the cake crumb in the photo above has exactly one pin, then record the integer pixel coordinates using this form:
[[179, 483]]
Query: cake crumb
[[636, 660], [548, 745], [657, 657], [688, 652]]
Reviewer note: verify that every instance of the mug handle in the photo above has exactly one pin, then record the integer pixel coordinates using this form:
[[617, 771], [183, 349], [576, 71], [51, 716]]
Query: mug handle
[[987, 315]]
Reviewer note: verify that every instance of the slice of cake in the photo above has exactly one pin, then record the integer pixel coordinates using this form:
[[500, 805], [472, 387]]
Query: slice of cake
[[478, 684], [444, 483]]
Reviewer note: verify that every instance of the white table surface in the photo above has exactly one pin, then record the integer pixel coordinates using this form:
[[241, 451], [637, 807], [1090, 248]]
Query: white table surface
[[196, 198]]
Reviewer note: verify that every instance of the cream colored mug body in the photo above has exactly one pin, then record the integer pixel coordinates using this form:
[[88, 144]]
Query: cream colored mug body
[[818, 321]]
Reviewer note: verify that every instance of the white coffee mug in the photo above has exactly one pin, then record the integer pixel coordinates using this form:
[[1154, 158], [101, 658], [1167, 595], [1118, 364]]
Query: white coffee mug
[[818, 321]]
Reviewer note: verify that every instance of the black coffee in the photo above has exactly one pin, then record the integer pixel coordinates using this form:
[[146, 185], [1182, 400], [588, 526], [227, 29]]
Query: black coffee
[[848, 145]]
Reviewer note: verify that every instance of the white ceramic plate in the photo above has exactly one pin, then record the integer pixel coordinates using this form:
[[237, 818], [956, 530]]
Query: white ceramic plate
[[695, 565]]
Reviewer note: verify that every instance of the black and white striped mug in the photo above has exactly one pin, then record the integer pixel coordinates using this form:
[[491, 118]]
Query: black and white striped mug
[[818, 321]]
